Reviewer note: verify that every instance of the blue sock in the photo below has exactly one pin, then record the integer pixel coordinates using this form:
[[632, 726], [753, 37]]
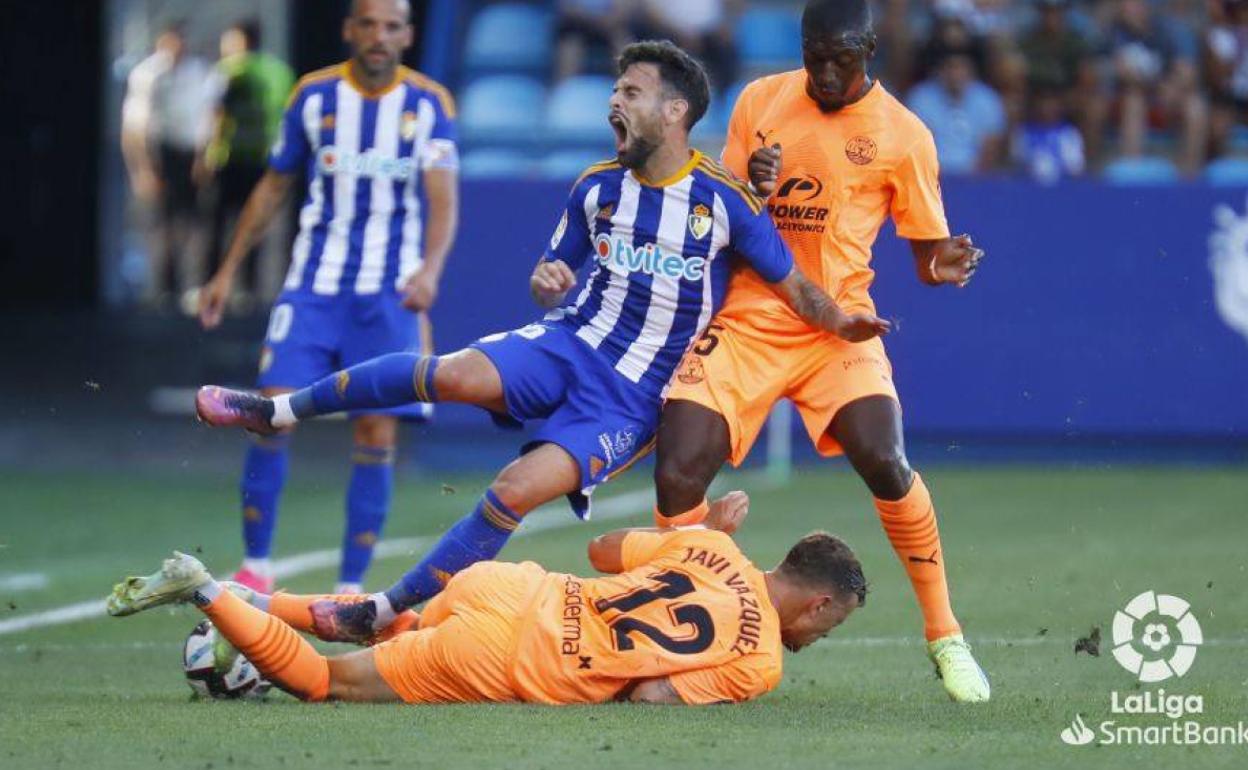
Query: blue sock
[[368, 500], [264, 475], [391, 380], [477, 537]]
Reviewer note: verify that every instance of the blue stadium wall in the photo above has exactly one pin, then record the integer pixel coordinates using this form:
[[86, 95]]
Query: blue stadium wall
[[1094, 314]]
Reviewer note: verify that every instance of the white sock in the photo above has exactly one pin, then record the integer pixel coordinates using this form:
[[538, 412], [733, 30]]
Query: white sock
[[206, 593], [283, 416], [385, 613], [260, 567]]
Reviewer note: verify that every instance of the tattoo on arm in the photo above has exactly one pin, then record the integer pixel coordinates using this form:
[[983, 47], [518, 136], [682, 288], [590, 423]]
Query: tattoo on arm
[[810, 302]]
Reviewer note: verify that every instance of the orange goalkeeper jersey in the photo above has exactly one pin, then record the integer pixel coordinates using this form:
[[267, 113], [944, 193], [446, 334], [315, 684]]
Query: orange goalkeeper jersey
[[690, 607], [841, 175]]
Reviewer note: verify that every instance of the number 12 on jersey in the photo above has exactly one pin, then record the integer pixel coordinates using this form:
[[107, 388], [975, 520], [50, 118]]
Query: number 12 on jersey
[[671, 584]]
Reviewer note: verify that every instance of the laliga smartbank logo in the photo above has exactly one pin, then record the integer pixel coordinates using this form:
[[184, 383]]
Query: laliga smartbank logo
[[1155, 638]]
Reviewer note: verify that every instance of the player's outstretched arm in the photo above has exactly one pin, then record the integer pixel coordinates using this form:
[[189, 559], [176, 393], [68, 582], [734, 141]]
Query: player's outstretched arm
[[550, 283], [269, 194], [821, 311], [606, 552], [946, 260]]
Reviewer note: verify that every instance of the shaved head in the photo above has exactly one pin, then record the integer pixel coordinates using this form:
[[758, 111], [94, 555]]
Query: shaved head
[[837, 42], [824, 19], [402, 6], [378, 32]]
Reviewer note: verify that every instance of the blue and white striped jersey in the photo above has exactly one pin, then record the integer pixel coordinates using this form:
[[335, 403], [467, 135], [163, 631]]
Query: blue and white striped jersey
[[360, 225], [661, 260]]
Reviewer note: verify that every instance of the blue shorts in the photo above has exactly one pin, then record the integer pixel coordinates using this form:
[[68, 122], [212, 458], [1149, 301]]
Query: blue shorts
[[311, 337], [605, 422]]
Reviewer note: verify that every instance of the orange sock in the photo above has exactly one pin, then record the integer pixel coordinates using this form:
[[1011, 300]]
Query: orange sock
[[293, 608], [273, 647], [694, 515], [911, 526]]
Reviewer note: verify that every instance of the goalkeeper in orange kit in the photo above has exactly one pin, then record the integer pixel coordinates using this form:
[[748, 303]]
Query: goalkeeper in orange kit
[[682, 617]]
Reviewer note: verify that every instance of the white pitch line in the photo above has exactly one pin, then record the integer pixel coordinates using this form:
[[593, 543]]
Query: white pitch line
[[550, 517]]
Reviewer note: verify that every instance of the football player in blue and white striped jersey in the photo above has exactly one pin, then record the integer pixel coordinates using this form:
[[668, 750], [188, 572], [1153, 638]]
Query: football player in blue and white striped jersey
[[371, 137], [663, 226]]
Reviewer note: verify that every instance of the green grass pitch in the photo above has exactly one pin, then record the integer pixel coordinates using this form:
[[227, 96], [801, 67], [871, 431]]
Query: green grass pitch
[[1037, 556]]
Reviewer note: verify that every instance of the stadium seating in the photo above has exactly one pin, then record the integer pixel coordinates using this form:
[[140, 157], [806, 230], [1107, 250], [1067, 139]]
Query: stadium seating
[[509, 37], [502, 108], [568, 164], [728, 99], [769, 39], [1228, 172], [495, 164], [577, 109], [1129, 172]]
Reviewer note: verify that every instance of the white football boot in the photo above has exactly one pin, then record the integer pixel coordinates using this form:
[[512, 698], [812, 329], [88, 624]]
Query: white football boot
[[174, 582]]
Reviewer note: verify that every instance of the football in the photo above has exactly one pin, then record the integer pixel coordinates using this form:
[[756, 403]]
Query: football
[[215, 669]]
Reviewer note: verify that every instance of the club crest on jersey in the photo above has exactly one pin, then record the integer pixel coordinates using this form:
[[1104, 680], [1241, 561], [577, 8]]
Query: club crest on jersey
[[700, 221], [408, 126], [860, 150], [648, 258], [691, 371]]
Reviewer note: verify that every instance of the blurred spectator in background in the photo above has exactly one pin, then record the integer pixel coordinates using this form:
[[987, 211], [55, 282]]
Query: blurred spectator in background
[[1226, 69], [1047, 145], [164, 127], [984, 18], [704, 28], [253, 88], [1156, 84], [950, 32], [1060, 64], [965, 116], [597, 28]]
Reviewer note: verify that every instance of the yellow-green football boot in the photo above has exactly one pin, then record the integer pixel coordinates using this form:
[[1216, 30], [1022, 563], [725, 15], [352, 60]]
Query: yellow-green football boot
[[964, 680]]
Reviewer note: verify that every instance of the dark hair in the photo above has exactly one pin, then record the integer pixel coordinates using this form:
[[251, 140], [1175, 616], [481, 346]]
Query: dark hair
[[250, 29], [828, 18], [680, 73], [825, 561]]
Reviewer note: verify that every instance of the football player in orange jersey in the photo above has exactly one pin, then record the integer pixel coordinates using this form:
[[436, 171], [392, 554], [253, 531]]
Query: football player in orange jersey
[[836, 154], [682, 617]]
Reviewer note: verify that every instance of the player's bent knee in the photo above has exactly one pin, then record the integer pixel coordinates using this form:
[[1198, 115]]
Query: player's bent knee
[[519, 494], [467, 376], [886, 472], [681, 481]]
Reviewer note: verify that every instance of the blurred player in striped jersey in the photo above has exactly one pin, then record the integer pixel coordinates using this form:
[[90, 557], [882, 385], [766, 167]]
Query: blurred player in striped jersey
[[371, 136], [664, 226]]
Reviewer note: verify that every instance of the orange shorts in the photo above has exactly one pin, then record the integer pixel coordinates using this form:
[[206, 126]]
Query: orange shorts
[[740, 371], [463, 650]]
